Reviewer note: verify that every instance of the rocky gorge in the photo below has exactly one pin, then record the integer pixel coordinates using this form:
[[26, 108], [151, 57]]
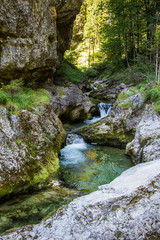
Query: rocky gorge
[[128, 207], [33, 38]]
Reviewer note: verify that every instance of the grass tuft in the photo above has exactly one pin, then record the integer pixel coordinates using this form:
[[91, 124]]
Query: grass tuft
[[16, 97]]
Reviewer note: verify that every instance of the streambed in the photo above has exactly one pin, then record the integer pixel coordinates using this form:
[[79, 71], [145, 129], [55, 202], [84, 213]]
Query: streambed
[[83, 168], [86, 166]]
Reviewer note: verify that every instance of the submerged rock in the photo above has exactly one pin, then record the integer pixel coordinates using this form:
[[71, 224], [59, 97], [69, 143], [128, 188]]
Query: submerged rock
[[30, 143], [127, 208], [31, 208], [71, 104], [34, 36]]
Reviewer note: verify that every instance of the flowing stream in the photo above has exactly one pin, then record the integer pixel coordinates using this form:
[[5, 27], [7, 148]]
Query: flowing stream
[[83, 168]]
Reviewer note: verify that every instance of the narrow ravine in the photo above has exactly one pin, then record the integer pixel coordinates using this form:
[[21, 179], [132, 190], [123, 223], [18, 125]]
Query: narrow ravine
[[83, 168]]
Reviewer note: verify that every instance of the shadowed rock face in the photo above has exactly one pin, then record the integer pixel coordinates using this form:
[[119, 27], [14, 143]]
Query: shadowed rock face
[[34, 36]]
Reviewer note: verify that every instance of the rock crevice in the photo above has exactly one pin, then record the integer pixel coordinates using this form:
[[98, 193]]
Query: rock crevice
[[34, 36]]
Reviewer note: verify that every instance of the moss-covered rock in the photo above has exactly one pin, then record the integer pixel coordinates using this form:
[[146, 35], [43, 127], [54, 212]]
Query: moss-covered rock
[[118, 128], [30, 144], [107, 132]]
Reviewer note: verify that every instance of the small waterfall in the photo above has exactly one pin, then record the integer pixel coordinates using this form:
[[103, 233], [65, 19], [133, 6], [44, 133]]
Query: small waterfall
[[73, 138], [72, 153], [104, 109], [139, 156]]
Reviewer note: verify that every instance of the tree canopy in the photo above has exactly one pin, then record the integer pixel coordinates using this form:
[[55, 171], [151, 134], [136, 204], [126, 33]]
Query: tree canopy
[[120, 32]]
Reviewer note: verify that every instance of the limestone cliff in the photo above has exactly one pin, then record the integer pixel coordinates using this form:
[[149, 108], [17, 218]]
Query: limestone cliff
[[34, 35]]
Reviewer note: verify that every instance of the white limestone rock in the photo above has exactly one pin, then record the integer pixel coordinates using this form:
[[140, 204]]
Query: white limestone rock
[[127, 208]]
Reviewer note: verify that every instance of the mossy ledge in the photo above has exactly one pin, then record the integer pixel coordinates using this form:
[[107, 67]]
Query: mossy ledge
[[30, 143]]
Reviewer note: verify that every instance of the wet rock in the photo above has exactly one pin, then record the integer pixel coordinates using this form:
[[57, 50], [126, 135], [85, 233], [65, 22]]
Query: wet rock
[[30, 143], [127, 208], [71, 104], [34, 37]]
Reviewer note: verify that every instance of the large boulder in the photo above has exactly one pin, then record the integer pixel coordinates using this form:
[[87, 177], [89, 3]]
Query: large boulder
[[71, 104], [127, 208], [34, 36], [118, 128], [146, 143], [30, 144], [100, 89]]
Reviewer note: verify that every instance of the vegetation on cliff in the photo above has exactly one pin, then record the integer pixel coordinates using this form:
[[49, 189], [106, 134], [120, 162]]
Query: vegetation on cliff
[[16, 97]]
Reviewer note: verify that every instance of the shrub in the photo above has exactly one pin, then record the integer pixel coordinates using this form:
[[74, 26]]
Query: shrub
[[125, 104], [68, 72], [91, 73]]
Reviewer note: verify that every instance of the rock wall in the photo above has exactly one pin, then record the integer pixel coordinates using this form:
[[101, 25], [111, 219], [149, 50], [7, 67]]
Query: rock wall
[[34, 35], [128, 208], [30, 143]]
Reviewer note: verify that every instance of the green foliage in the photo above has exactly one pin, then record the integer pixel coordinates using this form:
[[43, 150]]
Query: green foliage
[[68, 72], [17, 97], [125, 104], [126, 94], [154, 94], [91, 73], [121, 32]]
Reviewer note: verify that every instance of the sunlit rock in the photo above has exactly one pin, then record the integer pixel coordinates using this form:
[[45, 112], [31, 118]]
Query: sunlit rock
[[127, 208]]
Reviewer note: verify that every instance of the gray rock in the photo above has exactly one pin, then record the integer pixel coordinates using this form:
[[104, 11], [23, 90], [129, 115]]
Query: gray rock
[[103, 91], [152, 151], [136, 101], [70, 103], [30, 143], [127, 208], [34, 36]]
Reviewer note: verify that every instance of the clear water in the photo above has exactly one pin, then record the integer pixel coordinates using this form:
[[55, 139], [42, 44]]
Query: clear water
[[85, 166], [31, 208]]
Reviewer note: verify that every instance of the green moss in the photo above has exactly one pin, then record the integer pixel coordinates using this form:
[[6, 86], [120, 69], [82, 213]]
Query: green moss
[[18, 141], [126, 94], [94, 100], [51, 166], [118, 233], [61, 92]]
